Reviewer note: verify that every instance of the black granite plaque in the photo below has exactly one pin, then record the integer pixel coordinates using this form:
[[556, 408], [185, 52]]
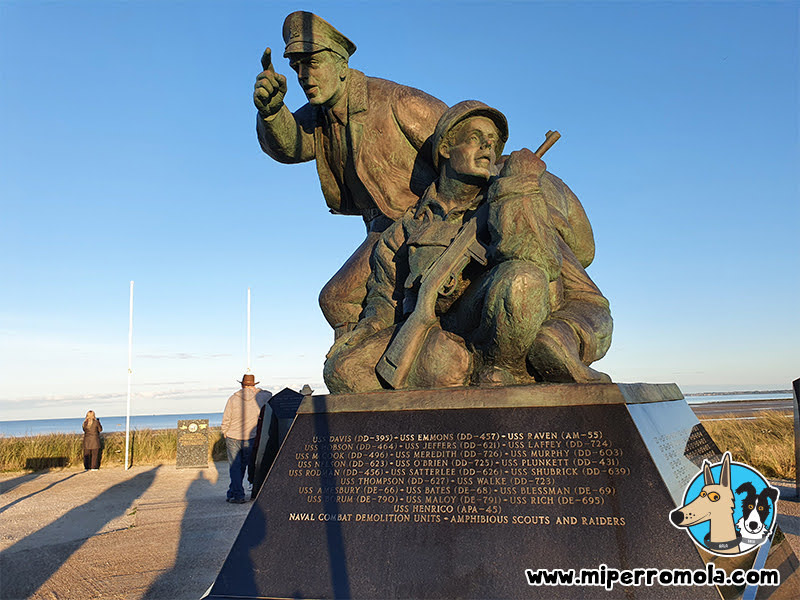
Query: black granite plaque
[[284, 404], [456, 502], [192, 444], [700, 447]]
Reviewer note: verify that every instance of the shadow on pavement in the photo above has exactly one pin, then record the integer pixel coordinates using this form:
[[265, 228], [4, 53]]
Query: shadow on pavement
[[20, 499], [237, 576], [31, 561], [787, 489], [9, 484], [194, 531], [789, 524], [208, 528]]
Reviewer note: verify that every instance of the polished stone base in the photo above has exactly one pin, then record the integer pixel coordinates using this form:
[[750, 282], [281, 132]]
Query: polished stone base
[[457, 492]]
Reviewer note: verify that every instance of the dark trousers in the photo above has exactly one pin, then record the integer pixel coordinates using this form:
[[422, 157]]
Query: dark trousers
[[238, 460], [91, 458]]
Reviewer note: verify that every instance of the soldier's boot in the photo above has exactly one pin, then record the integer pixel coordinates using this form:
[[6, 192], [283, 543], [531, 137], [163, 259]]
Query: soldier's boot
[[555, 356], [444, 361], [496, 376]]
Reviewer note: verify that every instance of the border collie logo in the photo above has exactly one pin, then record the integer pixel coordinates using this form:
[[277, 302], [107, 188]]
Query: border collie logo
[[729, 508]]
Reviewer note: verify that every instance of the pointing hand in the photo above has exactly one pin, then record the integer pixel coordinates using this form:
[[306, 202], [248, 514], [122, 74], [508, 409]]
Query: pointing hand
[[270, 88]]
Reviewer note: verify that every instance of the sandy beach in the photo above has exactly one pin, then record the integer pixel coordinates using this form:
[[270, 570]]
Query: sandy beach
[[738, 409]]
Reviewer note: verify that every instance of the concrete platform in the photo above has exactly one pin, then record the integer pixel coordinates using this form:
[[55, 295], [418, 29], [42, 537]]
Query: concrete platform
[[150, 532]]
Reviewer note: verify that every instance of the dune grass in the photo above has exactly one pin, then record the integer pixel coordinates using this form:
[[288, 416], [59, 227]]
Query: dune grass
[[65, 450], [765, 443]]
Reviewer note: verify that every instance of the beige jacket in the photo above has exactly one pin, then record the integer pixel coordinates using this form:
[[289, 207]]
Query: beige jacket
[[240, 419]]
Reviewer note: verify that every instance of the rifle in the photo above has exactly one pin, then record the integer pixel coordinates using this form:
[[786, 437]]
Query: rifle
[[440, 278]]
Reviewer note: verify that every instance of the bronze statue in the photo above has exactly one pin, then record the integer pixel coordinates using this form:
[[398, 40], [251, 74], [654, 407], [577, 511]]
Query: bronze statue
[[365, 134], [483, 282], [476, 278]]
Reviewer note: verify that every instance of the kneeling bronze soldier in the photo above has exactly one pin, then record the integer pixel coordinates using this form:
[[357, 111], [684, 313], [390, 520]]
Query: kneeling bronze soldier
[[479, 282]]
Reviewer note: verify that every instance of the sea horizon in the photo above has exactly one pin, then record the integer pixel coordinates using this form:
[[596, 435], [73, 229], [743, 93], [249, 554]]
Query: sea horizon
[[33, 427]]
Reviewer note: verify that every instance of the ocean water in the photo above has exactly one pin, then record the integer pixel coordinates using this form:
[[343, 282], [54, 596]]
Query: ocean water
[[45, 426]]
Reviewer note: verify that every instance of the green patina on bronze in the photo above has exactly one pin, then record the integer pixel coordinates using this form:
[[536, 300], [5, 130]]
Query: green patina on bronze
[[473, 269]]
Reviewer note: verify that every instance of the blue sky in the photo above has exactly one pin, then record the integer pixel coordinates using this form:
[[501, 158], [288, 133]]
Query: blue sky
[[128, 152]]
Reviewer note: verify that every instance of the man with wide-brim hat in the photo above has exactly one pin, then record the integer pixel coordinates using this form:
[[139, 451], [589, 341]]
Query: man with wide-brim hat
[[365, 134], [239, 426], [491, 314]]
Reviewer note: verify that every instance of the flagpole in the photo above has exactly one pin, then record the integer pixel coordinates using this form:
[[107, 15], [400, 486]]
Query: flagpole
[[130, 372], [248, 330]]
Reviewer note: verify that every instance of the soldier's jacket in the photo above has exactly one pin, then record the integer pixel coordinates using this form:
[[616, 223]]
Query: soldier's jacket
[[534, 219], [373, 161]]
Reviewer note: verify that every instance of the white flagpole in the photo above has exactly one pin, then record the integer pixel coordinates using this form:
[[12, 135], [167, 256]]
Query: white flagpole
[[248, 330], [128, 410]]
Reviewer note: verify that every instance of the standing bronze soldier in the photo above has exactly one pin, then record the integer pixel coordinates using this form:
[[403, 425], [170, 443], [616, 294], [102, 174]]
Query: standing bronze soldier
[[365, 134]]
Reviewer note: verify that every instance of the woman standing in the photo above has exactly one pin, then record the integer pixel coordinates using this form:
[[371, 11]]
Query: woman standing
[[91, 441]]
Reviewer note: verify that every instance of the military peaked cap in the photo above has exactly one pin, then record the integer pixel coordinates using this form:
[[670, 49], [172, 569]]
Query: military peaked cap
[[306, 32]]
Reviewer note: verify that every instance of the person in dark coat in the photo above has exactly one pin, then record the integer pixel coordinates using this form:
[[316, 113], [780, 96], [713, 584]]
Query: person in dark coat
[[91, 442]]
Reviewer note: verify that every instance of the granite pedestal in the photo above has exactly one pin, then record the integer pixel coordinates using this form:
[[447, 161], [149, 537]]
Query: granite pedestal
[[456, 493]]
